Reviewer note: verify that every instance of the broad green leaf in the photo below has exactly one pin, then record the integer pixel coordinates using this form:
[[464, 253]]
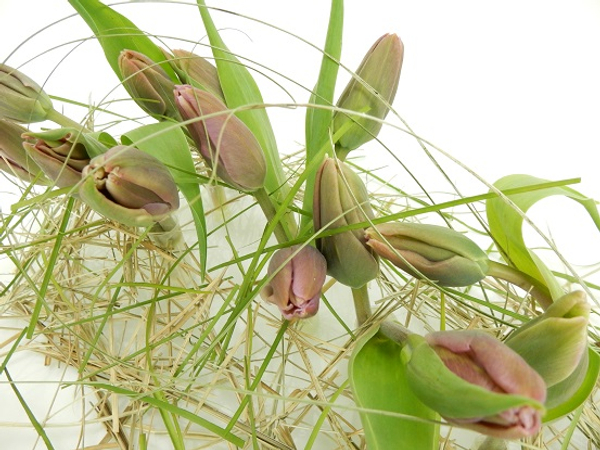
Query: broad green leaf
[[318, 120], [378, 381], [240, 89], [590, 366], [506, 225], [166, 142], [115, 33]]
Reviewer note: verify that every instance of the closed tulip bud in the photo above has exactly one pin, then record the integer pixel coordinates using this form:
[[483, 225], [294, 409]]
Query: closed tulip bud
[[148, 84], [197, 71], [441, 254], [22, 99], [60, 153], [554, 342], [380, 70], [341, 199], [297, 275], [475, 381], [129, 186], [224, 141], [13, 157]]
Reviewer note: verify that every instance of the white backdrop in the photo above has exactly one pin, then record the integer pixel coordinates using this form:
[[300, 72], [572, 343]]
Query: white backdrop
[[505, 87]]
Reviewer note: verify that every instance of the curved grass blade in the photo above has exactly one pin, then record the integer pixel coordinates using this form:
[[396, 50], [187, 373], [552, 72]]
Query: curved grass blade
[[378, 380], [174, 410], [506, 224]]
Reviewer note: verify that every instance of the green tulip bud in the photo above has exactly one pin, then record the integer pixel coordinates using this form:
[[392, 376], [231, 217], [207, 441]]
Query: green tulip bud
[[224, 141], [298, 275], [22, 99], [554, 342], [129, 186], [60, 153], [440, 254], [475, 381], [148, 84], [13, 157], [380, 70], [197, 71], [341, 199]]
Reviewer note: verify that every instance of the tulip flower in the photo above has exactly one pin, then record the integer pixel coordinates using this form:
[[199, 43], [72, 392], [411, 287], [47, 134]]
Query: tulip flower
[[13, 157], [22, 99], [554, 342], [372, 94], [475, 381], [341, 199], [148, 84], [60, 153], [197, 71], [440, 254], [129, 186], [298, 275], [224, 141]]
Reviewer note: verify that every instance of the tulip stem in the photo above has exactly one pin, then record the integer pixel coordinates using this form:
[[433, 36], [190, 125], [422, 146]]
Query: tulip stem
[[536, 289], [64, 121], [266, 203], [362, 306]]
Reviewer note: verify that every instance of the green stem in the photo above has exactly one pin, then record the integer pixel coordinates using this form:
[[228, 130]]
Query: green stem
[[536, 289], [282, 232], [64, 121], [362, 306]]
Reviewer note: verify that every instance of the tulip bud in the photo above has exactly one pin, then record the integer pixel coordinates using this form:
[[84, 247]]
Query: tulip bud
[[380, 70], [60, 153], [13, 157], [297, 275], [148, 84], [441, 254], [197, 71], [224, 141], [341, 199], [554, 342], [129, 186], [475, 381], [21, 99]]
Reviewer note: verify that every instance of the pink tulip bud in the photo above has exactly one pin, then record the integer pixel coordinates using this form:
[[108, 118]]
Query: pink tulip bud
[[224, 141], [475, 381], [298, 277]]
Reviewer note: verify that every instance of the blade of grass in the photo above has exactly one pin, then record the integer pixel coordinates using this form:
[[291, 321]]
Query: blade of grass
[[176, 410], [35, 315], [34, 422]]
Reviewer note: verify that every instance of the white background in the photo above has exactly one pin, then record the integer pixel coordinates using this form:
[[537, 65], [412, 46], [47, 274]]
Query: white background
[[505, 87]]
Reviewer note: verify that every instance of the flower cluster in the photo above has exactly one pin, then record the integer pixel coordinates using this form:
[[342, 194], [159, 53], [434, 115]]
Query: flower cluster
[[472, 379]]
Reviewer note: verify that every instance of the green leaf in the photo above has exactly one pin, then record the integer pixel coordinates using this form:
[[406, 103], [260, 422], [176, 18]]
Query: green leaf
[[166, 142], [240, 89], [116, 33], [378, 380], [590, 365], [506, 225], [318, 120]]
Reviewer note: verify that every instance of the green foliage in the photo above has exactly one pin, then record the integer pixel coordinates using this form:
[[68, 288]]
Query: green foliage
[[116, 33], [392, 417], [506, 224]]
